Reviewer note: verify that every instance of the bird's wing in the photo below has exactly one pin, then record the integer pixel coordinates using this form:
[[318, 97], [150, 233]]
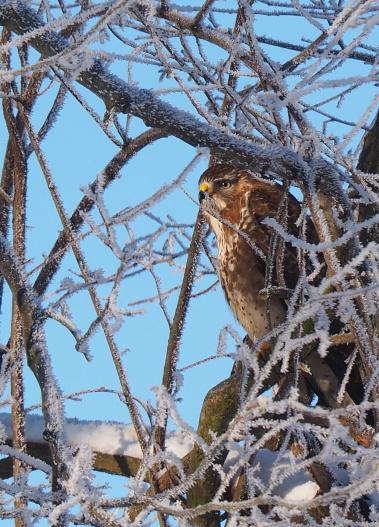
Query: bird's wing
[[281, 257]]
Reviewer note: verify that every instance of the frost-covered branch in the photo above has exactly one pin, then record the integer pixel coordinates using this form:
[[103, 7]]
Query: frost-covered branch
[[122, 97], [35, 345], [289, 435], [86, 204]]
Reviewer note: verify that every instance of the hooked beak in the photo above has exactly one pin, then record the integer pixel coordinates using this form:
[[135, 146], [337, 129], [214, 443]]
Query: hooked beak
[[204, 188]]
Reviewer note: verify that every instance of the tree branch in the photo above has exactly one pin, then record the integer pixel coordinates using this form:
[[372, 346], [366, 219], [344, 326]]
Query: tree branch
[[86, 204], [142, 103]]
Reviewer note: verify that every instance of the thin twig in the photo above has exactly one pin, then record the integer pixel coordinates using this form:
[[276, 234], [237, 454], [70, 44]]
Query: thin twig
[[174, 340], [116, 355], [202, 12], [87, 277], [86, 204]]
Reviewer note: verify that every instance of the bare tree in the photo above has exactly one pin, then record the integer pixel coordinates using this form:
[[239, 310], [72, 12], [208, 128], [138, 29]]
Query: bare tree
[[299, 111]]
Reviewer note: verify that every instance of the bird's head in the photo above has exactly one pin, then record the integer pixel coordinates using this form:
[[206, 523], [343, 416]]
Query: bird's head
[[221, 184]]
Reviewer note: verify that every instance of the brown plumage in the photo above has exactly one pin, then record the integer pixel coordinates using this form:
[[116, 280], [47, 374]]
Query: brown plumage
[[237, 205], [252, 257]]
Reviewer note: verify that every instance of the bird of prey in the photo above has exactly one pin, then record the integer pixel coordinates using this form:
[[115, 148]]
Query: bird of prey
[[250, 263], [237, 203]]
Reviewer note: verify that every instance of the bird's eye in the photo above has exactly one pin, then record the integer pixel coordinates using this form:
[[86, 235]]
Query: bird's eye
[[225, 184]]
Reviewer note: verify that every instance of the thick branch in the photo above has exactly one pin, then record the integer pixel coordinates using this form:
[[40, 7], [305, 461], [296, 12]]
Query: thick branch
[[115, 464], [369, 157], [35, 345], [369, 163], [122, 97]]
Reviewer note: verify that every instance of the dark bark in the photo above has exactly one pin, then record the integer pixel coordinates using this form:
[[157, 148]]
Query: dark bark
[[369, 163]]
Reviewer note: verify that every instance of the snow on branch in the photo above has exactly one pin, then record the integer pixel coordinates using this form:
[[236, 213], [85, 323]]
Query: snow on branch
[[104, 437], [308, 451], [119, 95]]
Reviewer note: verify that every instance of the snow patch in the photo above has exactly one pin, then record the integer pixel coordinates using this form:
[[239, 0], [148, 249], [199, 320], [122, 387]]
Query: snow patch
[[304, 492], [106, 437]]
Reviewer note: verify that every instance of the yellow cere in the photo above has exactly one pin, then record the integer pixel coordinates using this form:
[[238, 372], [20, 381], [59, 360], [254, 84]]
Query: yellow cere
[[204, 187]]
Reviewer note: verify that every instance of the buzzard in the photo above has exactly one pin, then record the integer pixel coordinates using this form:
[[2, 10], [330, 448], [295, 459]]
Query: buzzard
[[237, 203], [257, 268]]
